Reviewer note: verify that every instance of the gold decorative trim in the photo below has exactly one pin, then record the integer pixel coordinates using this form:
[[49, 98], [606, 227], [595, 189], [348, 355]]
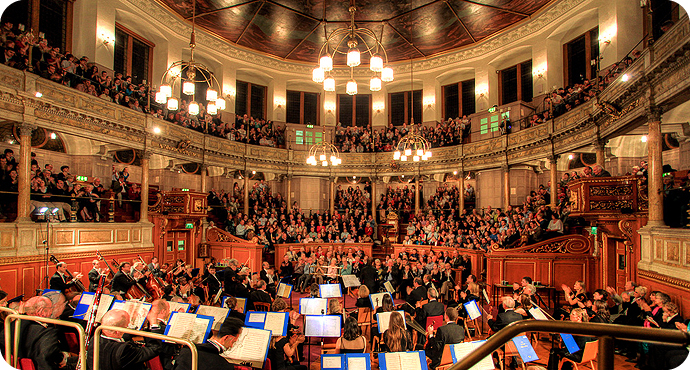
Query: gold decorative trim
[[664, 279], [69, 256]]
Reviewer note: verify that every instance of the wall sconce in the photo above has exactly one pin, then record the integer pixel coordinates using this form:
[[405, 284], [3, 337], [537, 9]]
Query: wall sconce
[[279, 102], [107, 39], [607, 36], [229, 92], [539, 72], [329, 107], [429, 101], [481, 91], [378, 106]]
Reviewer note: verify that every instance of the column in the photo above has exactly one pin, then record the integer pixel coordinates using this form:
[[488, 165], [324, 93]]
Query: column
[[288, 195], [204, 189], [506, 186], [461, 185], [246, 194], [553, 160], [416, 195], [24, 168], [600, 147], [144, 208], [331, 201], [373, 198], [654, 146]]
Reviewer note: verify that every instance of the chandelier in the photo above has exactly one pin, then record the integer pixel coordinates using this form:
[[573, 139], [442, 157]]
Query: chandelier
[[187, 73], [324, 153], [413, 145], [351, 36]]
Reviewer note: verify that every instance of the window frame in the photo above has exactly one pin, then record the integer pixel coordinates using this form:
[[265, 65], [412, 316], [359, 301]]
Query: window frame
[[248, 103], [519, 82], [461, 111], [353, 122], [128, 52], [409, 96], [301, 107]]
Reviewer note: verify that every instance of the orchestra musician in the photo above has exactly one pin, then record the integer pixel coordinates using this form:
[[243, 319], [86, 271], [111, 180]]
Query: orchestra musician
[[39, 342], [124, 279], [212, 282], [450, 333], [61, 280], [95, 275], [267, 274], [156, 319], [231, 279], [154, 267]]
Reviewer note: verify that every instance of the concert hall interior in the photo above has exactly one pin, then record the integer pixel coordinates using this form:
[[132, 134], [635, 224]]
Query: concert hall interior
[[354, 185]]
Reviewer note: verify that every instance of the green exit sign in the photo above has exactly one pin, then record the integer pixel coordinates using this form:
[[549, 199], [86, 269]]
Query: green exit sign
[[82, 178], [492, 109], [310, 126], [189, 225], [594, 230], [185, 189]]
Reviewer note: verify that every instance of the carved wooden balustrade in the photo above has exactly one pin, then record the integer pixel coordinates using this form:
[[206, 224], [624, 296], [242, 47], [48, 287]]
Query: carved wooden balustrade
[[605, 195], [186, 203]]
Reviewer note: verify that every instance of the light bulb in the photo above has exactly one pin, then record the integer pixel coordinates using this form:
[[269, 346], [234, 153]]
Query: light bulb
[[333, 159], [376, 63], [160, 97], [317, 75], [193, 108], [408, 152], [211, 94], [173, 104], [643, 138], [403, 158], [329, 84], [415, 158], [428, 153], [211, 108], [351, 88], [220, 103], [375, 84], [396, 155], [387, 74], [326, 63], [166, 90], [420, 152], [188, 88], [324, 163], [353, 57], [322, 157]]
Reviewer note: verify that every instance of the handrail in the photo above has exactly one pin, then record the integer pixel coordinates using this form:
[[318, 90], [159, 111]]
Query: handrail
[[8, 310], [45, 320], [97, 343], [605, 331]]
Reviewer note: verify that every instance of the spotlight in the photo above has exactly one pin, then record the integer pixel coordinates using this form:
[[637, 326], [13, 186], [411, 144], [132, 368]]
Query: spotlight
[[39, 94], [156, 130], [643, 138], [53, 136]]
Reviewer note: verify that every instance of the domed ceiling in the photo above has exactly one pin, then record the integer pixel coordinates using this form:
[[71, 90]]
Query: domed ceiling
[[296, 29]]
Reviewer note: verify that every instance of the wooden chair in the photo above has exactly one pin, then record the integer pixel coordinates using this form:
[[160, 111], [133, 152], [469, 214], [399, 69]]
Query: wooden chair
[[446, 358], [509, 350], [589, 355], [262, 306], [364, 318]]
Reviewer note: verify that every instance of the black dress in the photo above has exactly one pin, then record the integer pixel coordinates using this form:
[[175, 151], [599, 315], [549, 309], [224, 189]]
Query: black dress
[[279, 360]]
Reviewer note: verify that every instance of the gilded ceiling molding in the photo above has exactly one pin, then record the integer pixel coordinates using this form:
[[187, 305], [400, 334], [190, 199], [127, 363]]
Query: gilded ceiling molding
[[553, 12]]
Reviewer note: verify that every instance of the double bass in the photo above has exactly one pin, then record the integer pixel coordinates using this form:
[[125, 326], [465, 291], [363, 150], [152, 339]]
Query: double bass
[[111, 273], [136, 291], [154, 285], [78, 287]]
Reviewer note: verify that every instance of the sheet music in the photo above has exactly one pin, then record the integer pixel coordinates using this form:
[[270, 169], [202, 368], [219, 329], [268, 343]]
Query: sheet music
[[322, 326], [219, 314], [313, 306], [384, 318], [284, 290], [178, 306], [137, 311], [410, 361], [377, 299], [472, 309], [256, 317], [356, 363], [486, 296], [103, 306], [393, 361], [241, 304], [251, 346], [389, 287], [537, 313], [351, 281], [332, 362], [275, 322], [217, 296], [188, 326], [330, 291], [463, 349]]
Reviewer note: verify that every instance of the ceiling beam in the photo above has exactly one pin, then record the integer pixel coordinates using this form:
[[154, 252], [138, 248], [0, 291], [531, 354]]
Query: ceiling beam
[[460, 20], [411, 10], [250, 22], [221, 9], [497, 8], [405, 38], [295, 11], [302, 40]]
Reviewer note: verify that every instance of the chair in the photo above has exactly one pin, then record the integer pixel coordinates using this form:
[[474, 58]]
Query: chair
[[155, 363], [267, 364], [72, 342], [589, 355], [436, 321], [364, 315], [446, 358], [262, 306], [509, 350], [26, 364]]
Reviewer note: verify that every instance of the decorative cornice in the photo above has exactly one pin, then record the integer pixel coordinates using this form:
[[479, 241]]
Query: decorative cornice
[[71, 255], [664, 279]]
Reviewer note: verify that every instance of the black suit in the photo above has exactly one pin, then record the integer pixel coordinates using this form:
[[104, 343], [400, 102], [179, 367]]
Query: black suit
[[122, 282], [209, 357], [213, 284], [367, 276], [167, 350], [231, 281], [450, 333], [58, 283], [503, 319], [259, 296], [417, 294], [433, 308], [116, 355], [40, 344], [94, 278]]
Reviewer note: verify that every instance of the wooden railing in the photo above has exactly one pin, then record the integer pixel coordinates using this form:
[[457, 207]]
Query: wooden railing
[[603, 195]]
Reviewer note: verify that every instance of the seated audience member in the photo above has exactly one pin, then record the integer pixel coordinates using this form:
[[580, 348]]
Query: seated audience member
[[506, 317], [396, 338], [284, 353], [210, 352], [450, 333], [117, 353], [575, 299], [601, 312], [259, 295], [352, 340], [576, 315], [418, 292]]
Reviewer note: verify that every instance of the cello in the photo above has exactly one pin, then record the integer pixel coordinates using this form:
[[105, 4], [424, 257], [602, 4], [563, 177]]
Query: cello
[[136, 291], [153, 284], [108, 278], [78, 287]]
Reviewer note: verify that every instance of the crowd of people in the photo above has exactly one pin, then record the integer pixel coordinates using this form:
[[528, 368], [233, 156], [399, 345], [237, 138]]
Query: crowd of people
[[55, 195]]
